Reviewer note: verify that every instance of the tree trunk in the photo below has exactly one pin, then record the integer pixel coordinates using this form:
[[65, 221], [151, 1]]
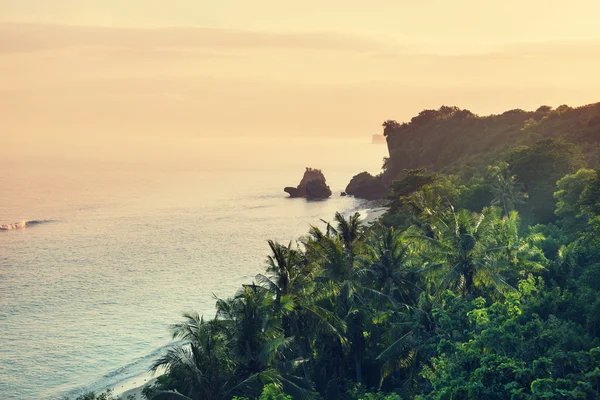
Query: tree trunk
[[468, 285], [302, 344], [339, 359], [358, 368]]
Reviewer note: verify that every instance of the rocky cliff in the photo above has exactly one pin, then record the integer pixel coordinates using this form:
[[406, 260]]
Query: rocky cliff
[[452, 140], [313, 186], [366, 186], [449, 139]]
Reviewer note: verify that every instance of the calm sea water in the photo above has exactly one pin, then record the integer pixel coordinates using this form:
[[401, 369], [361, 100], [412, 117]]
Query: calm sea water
[[129, 243]]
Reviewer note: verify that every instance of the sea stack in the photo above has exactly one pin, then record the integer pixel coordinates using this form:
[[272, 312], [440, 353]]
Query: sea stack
[[312, 186], [366, 186]]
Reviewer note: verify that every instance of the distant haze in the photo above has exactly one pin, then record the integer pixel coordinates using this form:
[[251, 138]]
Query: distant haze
[[80, 70]]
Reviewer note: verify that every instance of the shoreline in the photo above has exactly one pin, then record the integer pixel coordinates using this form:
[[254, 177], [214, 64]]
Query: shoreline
[[372, 215], [133, 387]]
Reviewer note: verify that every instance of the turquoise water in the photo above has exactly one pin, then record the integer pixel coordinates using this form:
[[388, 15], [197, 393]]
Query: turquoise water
[[126, 246]]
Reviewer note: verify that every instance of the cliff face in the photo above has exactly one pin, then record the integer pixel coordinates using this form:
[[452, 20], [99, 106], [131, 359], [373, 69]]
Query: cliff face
[[366, 186], [312, 185], [450, 138]]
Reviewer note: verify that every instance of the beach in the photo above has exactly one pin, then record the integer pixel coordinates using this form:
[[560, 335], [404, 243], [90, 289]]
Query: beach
[[132, 388], [372, 215]]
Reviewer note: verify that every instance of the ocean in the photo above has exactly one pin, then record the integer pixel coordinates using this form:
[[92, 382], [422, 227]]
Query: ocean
[[124, 240]]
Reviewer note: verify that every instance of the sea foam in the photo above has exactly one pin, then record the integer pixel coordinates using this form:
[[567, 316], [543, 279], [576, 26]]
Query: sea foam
[[22, 225]]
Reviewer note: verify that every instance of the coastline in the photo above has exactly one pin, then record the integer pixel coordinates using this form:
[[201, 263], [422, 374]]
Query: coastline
[[372, 215], [132, 387]]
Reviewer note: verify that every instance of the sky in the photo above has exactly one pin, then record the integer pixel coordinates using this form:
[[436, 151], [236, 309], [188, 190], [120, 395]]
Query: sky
[[90, 69]]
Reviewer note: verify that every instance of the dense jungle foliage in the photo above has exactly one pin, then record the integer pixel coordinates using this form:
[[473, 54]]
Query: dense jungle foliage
[[478, 285], [455, 141], [452, 140]]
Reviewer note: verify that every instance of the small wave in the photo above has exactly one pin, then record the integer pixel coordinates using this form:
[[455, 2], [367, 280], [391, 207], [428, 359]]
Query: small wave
[[257, 207], [114, 378], [23, 224]]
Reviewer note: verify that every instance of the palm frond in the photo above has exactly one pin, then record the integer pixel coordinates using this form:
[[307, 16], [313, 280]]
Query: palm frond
[[166, 395]]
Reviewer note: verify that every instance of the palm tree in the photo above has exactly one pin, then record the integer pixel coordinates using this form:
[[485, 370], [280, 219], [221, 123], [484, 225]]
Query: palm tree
[[304, 300], [249, 318], [200, 367], [349, 230], [288, 271], [336, 251], [391, 262], [336, 263], [352, 309], [565, 262], [345, 311], [257, 341], [343, 299], [507, 190], [290, 278], [403, 340], [464, 253], [521, 253]]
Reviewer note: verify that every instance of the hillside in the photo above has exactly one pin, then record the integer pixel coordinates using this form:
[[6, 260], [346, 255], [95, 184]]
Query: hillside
[[450, 139], [455, 141]]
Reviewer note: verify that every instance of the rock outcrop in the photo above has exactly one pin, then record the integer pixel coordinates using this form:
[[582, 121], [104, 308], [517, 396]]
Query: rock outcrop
[[312, 186], [366, 186], [292, 191], [317, 190]]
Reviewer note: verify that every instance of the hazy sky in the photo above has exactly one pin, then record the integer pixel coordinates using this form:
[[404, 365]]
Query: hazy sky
[[442, 21], [89, 68]]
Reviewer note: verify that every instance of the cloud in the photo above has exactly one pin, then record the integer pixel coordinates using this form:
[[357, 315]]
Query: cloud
[[28, 37], [559, 49]]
